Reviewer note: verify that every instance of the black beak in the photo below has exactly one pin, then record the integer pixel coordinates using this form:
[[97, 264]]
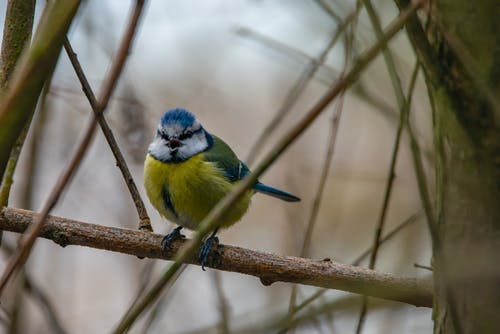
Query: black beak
[[174, 143]]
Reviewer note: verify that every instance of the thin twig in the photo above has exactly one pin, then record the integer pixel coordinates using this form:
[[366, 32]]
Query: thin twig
[[421, 266], [329, 10], [223, 305], [307, 75], [404, 105], [144, 221], [297, 55], [163, 302], [8, 176], [268, 267], [326, 165], [299, 86], [413, 218], [319, 193], [404, 115], [39, 296], [211, 221], [28, 239], [32, 154], [286, 323]]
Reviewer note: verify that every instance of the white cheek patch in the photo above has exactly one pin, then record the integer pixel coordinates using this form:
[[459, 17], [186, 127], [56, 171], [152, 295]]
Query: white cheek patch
[[159, 149], [194, 145], [191, 146]]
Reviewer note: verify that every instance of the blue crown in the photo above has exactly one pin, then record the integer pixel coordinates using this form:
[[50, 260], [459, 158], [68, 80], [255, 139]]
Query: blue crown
[[177, 116]]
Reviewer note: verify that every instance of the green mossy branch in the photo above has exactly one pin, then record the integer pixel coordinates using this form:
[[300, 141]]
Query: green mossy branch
[[34, 67], [16, 34]]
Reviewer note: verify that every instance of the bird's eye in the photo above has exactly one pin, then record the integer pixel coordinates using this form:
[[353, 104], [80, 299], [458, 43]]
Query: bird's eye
[[186, 135], [163, 135]]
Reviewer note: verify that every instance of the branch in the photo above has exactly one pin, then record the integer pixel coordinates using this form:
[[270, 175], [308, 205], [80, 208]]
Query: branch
[[16, 34], [32, 69], [144, 221], [28, 239], [268, 267]]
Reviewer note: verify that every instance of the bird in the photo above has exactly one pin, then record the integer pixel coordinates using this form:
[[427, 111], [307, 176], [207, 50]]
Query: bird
[[188, 170]]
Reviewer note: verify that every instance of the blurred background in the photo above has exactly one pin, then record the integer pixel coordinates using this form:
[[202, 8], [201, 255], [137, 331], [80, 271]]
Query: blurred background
[[235, 65]]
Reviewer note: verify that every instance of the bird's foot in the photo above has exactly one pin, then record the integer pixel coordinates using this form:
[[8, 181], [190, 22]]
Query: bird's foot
[[206, 251], [171, 237]]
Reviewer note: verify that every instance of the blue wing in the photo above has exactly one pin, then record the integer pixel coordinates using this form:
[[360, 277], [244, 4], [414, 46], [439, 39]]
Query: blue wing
[[222, 155], [235, 170]]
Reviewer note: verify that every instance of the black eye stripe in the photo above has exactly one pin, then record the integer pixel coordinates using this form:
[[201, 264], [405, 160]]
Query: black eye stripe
[[163, 135], [186, 135], [189, 134]]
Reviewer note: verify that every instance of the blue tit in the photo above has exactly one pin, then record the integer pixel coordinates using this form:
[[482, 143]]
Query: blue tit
[[188, 171]]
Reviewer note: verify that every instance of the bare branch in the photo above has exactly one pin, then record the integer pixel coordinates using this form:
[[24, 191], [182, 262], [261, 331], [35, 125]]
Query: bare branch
[[144, 221], [27, 240], [16, 35], [298, 88], [268, 267]]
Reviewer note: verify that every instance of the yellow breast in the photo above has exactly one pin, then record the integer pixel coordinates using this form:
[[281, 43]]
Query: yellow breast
[[193, 188]]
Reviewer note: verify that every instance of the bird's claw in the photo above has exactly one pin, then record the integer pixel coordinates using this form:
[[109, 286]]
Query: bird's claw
[[171, 237], [206, 249]]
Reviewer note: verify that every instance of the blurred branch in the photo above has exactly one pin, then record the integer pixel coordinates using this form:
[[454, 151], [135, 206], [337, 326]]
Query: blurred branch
[[329, 73], [348, 44], [404, 104], [325, 74], [211, 221], [16, 35], [304, 252], [39, 296], [35, 65], [8, 176], [345, 303], [163, 302], [223, 305], [144, 221], [404, 115], [299, 86], [33, 146], [268, 267], [356, 262], [329, 10], [421, 266], [337, 113], [421, 46], [28, 239]]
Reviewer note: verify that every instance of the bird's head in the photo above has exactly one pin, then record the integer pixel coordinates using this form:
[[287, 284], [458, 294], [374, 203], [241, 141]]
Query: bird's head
[[179, 136]]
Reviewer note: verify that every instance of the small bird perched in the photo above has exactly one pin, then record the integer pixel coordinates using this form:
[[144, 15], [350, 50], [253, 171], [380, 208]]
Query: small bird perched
[[188, 171]]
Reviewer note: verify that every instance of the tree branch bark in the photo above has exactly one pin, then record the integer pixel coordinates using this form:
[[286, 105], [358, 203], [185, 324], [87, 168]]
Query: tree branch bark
[[268, 267]]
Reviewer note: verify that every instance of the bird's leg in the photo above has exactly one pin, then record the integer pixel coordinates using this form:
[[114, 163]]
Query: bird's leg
[[171, 237], [206, 248]]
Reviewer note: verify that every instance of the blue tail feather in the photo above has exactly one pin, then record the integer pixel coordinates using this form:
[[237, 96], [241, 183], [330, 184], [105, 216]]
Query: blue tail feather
[[262, 188]]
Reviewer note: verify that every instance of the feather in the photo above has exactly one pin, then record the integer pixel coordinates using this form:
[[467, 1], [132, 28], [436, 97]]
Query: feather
[[262, 188]]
